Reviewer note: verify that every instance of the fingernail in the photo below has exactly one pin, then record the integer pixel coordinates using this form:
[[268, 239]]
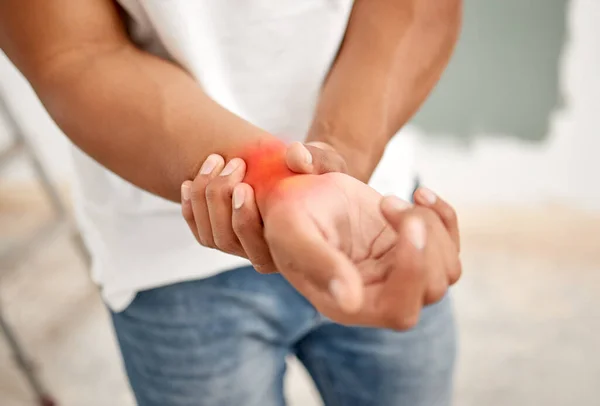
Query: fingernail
[[417, 234], [308, 159], [398, 204], [428, 195], [209, 165], [185, 191], [238, 197], [230, 167]]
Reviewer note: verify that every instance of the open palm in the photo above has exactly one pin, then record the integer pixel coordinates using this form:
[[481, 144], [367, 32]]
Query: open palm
[[331, 240]]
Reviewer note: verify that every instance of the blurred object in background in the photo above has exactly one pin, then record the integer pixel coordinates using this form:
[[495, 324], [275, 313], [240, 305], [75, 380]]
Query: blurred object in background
[[504, 76], [20, 148], [514, 120], [15, 248], [511, 135]]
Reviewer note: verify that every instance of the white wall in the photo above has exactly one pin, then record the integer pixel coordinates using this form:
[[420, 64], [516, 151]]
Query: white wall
[[43, 134], [564, 169], [494, 170]]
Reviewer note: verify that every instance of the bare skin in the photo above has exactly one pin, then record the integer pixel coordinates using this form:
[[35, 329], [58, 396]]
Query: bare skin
[[361, 259], [96, 84], [148, 121], [393, 54], [358, 258], [144, 118]]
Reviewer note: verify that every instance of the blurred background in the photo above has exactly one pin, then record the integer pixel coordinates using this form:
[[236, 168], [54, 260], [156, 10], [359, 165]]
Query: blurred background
[[510, 136]]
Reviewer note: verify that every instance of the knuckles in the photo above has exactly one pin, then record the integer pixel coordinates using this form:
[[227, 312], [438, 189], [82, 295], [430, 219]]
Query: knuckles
[[206, 243], [226, 244], [391, 315], [455, 271], [264, 269], [435, 293], [403, 322], [218, 189], [449, 213], [198, 191], [241, 224]]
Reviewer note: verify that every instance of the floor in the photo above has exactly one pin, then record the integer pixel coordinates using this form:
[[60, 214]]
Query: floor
[[528, 308]]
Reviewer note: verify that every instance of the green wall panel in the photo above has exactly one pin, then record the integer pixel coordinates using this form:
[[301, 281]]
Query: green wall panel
[[503, 78]]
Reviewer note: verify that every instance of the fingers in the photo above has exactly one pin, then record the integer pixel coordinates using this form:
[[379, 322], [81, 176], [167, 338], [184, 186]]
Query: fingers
[[219, 201], [452, 261], [210, 169], [321, 272], [447, 215], [222, 219], [425, 253], [314, 158], [402, 296], [436, 272], [393, 209], [247, 225], [186, 208], [299, 158], [326, 159], [427, 198]]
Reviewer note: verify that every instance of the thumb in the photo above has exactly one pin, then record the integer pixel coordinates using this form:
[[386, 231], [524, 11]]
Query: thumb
[[402, 297], [394, 210], [314, 158], [443, 209], [396, 213], [317, 269]]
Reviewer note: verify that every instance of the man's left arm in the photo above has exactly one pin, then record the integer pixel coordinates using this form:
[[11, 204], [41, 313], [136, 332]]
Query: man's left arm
[[392, 55]]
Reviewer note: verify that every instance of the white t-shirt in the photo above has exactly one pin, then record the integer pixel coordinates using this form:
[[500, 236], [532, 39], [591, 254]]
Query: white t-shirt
[[264, 60]]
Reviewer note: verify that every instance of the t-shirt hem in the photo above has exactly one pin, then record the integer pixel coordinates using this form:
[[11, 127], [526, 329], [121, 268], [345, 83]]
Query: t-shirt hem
[[119, 299]]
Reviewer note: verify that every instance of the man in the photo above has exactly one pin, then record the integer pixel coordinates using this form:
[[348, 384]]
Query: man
[[156, 93]]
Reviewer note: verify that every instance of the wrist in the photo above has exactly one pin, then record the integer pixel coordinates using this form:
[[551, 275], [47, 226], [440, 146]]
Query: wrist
[[266, 169], [361, 151], [234, 139]]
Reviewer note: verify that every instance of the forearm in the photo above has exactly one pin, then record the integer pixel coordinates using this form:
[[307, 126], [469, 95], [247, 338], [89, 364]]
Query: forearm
[[141, 117], [393, 54]]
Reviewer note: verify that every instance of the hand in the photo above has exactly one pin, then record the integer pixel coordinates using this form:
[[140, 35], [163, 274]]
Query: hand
[[222, 212], [321, 158], [427, 198], [357, 257]]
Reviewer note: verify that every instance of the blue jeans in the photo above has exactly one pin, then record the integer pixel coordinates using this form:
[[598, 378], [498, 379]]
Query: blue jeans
[[223, 341]]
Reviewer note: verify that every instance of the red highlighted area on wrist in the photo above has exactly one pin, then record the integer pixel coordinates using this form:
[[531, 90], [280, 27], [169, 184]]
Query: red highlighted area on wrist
[[266, 167]]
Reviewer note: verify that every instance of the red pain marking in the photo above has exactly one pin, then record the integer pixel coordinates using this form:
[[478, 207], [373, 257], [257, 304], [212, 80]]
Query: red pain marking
[[266, 167]]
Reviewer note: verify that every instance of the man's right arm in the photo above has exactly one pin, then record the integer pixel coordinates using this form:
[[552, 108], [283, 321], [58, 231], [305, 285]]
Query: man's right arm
[[144, 118]]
